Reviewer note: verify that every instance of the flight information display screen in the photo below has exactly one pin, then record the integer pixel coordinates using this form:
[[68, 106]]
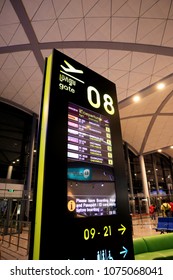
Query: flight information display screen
[[89, 137], [91, 185]]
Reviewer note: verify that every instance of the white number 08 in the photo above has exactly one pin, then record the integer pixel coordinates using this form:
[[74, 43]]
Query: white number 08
[[108, 102]]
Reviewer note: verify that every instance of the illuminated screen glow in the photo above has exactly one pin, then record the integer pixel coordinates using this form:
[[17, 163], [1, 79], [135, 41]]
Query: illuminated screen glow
[[91, 185], [89, 138]]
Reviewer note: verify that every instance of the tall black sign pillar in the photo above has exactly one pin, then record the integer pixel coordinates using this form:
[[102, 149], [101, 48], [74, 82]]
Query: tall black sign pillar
[[81, 204]]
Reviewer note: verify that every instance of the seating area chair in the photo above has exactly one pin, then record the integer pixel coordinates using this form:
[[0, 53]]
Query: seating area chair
[[165, 224]]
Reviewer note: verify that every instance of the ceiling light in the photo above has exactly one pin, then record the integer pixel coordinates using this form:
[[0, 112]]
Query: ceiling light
[[160, 150], [136, 98], [171, 147], [160, 86]]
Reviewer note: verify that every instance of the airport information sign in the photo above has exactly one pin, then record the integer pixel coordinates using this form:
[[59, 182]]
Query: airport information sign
[[81, 198]]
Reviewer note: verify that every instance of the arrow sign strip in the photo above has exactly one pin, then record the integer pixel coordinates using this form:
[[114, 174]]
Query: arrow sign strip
[[123, 229], [124, 252]]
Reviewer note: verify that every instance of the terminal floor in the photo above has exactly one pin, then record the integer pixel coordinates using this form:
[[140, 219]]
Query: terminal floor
[[16, 246], [144, 226]]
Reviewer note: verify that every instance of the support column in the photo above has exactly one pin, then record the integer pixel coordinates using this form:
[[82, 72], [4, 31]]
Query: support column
[[9, 172], [144, 182], [171, 170], [155, 173], [130, 179]]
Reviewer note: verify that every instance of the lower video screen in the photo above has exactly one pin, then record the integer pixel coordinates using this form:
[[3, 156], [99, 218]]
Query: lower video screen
[[91, 191]]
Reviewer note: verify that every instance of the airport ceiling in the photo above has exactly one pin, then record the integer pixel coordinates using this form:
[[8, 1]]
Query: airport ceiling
[[130, 42]]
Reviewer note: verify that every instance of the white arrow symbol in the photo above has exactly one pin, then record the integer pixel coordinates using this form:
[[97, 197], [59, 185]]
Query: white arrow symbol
[[124, 252]]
